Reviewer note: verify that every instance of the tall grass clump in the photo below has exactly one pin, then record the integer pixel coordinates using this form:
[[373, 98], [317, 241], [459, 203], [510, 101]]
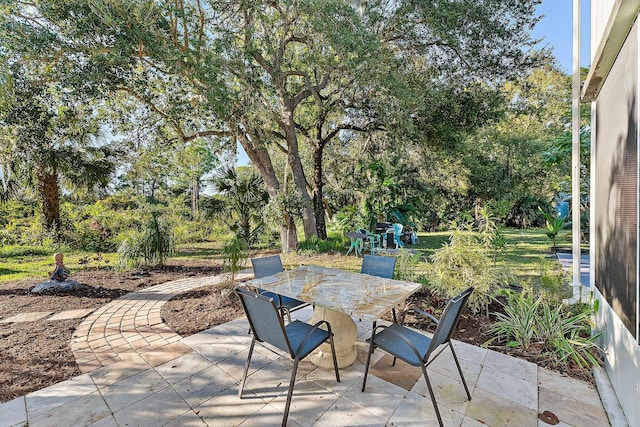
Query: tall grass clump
[[151, 246], [314, 245]]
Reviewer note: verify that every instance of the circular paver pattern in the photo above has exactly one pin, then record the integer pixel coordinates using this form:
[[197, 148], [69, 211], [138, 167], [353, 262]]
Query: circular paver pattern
[[131, 326]]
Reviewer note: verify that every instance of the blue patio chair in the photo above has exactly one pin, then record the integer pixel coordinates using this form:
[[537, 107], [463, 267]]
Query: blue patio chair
[[297, 338], [397, 235], [416, 348], [268, 266]]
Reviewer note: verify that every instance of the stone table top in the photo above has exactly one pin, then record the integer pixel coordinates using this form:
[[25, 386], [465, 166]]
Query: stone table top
[[360, 295]]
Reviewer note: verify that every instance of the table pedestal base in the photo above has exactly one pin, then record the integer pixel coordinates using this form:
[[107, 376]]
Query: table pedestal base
[[345, 334]]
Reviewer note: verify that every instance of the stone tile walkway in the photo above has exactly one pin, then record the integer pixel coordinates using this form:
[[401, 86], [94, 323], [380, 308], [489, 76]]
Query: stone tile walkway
[[139, 373], [31, 316]]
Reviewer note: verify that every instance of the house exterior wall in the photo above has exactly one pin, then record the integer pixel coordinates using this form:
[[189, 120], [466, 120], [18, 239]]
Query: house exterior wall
[[614, 203], [615, 194], [600, 12]]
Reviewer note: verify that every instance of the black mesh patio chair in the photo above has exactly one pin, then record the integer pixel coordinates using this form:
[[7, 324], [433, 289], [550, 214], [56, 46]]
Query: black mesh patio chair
[[268, 266], [381, 266], [416, 348], [297, 338]]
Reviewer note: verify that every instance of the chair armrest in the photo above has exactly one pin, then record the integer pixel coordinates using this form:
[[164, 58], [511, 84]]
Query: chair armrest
[[427, 315], [422, 313], [285, 312], [405, 339], [316, 326]]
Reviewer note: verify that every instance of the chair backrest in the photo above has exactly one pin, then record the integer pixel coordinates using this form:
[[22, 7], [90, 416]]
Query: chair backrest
[[266, 324], [375, 265], [448, 320], [397, 234], [397, 228], [267, 266]]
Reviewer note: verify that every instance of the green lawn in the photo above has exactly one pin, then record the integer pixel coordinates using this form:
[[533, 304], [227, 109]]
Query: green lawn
[[526, 253]]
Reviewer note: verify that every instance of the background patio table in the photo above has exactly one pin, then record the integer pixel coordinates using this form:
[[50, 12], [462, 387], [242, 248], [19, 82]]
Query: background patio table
[[357, 242], [337, 296]]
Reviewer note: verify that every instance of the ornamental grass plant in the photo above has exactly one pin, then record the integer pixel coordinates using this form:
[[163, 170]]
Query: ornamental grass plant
[[551, 331]]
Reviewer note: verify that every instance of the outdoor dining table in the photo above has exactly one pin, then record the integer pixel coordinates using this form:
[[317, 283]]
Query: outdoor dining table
[[338, 297]]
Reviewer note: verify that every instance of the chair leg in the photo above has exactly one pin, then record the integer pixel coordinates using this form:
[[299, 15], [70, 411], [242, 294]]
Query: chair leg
[[433, 397], [366, 367], [395, 320], [464, 383], [335, 360], [246, 367], [290, 392]]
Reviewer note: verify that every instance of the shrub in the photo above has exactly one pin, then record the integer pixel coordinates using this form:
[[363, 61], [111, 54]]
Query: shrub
[[525, 212], [557, 332], [550, 282], [406, 263], [198, 229], [235, 254], [151, 246], [464, 262]]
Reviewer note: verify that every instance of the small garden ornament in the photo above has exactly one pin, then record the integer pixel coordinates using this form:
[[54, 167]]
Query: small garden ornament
[[59, 273], [59, 278]]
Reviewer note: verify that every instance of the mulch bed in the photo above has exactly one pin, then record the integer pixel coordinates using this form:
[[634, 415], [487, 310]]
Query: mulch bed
[[37, 354]]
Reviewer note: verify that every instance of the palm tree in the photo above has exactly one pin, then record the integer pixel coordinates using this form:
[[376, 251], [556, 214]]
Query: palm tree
[[50, 140], [245, 195]]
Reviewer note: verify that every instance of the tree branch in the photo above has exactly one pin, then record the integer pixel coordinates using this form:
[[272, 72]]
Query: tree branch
[[201, 21], [309, 91]]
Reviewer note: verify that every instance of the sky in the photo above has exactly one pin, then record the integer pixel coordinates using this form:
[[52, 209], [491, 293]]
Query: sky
[[556, 30]]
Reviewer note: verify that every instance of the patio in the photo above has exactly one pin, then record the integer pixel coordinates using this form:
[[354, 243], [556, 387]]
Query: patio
[[137, 372], [198, 387]]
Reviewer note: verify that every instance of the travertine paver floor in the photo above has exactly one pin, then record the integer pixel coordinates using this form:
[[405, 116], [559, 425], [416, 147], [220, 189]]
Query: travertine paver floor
[[193, 381]]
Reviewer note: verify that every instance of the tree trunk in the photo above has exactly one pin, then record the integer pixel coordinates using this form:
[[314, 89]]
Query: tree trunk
[[195, 193], [318, 207], [289, 235], [50, 194], [152, 188], [262, 161], [293, 157]]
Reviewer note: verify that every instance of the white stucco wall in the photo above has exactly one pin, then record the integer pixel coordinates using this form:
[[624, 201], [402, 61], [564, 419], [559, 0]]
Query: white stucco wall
[[622, 359]]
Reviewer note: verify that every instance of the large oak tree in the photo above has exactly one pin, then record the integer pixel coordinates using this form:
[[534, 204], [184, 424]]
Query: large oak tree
[[267, 73]]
